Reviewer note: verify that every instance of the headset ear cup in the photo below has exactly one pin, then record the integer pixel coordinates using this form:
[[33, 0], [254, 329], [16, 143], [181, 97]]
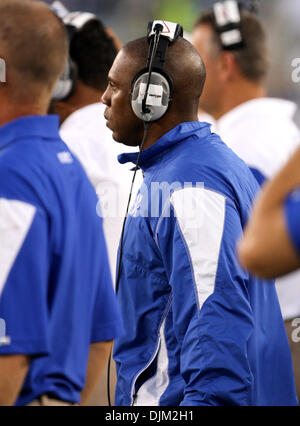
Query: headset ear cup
[[135, 90], [159, 95], [67, 82]]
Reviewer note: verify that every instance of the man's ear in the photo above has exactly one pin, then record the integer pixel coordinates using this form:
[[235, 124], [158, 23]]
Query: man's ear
[[227, 66]]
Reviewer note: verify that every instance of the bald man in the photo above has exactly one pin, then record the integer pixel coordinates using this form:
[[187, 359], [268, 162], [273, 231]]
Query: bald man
[[198, 330], [52, 286]]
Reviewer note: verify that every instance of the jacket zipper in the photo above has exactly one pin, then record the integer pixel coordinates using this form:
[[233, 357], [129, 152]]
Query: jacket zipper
[[134, 395]]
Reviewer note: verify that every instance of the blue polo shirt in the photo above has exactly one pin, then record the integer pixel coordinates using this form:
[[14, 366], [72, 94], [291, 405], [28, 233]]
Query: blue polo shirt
[[56, 294], [292, 215]]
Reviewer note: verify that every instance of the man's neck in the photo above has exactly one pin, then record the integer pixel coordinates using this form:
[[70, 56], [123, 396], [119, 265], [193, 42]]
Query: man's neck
[[236, 95], [157, 129], [11, 112], [84, 96]]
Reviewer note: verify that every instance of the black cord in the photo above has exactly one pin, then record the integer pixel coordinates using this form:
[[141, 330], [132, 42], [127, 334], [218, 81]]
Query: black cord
[[155, 45], [146, 127]]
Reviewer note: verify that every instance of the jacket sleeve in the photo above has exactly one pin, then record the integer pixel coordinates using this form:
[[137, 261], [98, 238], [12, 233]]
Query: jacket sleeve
[[212, 315]]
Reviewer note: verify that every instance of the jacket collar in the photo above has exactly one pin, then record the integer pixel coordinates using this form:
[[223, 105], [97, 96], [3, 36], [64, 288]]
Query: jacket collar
[[44, 126], [167, 141]]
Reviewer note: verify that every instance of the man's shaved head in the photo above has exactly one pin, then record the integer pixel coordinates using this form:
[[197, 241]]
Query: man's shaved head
[[34, 45], [183, 64], [187, 71]]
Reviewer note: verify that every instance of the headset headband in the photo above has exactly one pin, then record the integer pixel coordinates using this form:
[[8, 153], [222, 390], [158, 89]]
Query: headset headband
[[160, 35], [59, 9], [168, 34], [78, 19], [228, 24]]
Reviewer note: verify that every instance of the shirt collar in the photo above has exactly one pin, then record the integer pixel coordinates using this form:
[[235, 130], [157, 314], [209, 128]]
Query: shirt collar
[[173, 137], [44, 126]]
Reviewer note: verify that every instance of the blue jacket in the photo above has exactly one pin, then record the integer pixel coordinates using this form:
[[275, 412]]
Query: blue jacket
[[56, 294], [199, 329]]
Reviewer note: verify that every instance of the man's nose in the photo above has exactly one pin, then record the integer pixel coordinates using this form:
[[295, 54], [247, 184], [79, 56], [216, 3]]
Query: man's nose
[[105, 98]]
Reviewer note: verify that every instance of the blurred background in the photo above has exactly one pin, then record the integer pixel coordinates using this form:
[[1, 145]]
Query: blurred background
[[129, 18]]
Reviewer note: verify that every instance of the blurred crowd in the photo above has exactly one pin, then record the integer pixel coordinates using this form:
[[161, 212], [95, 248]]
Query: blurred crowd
[[126, 18]]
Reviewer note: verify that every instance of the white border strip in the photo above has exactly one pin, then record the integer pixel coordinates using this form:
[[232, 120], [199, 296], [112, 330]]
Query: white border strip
[[16, 218], [201, 217]]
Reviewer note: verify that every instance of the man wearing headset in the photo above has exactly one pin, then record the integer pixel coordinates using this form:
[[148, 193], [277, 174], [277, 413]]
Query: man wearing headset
[[259, 129], [56, 297], [198, 330]]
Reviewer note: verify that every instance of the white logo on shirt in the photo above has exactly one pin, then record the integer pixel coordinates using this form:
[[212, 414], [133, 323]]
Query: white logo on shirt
[[4, 340], [65, 157]]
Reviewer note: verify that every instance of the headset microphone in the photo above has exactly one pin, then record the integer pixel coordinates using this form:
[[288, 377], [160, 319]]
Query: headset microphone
[[158, 29]]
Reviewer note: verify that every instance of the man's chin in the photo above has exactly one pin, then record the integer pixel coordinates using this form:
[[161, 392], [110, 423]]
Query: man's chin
[[121, 138], [125, 141], [113, 133]]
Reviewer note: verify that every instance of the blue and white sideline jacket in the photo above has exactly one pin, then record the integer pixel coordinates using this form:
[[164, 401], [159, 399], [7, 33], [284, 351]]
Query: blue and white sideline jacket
[[198, 329], [56, 295]]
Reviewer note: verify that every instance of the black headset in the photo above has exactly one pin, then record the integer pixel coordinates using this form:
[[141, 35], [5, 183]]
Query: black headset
[[152, 88], [74, 22], [227, 21]]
